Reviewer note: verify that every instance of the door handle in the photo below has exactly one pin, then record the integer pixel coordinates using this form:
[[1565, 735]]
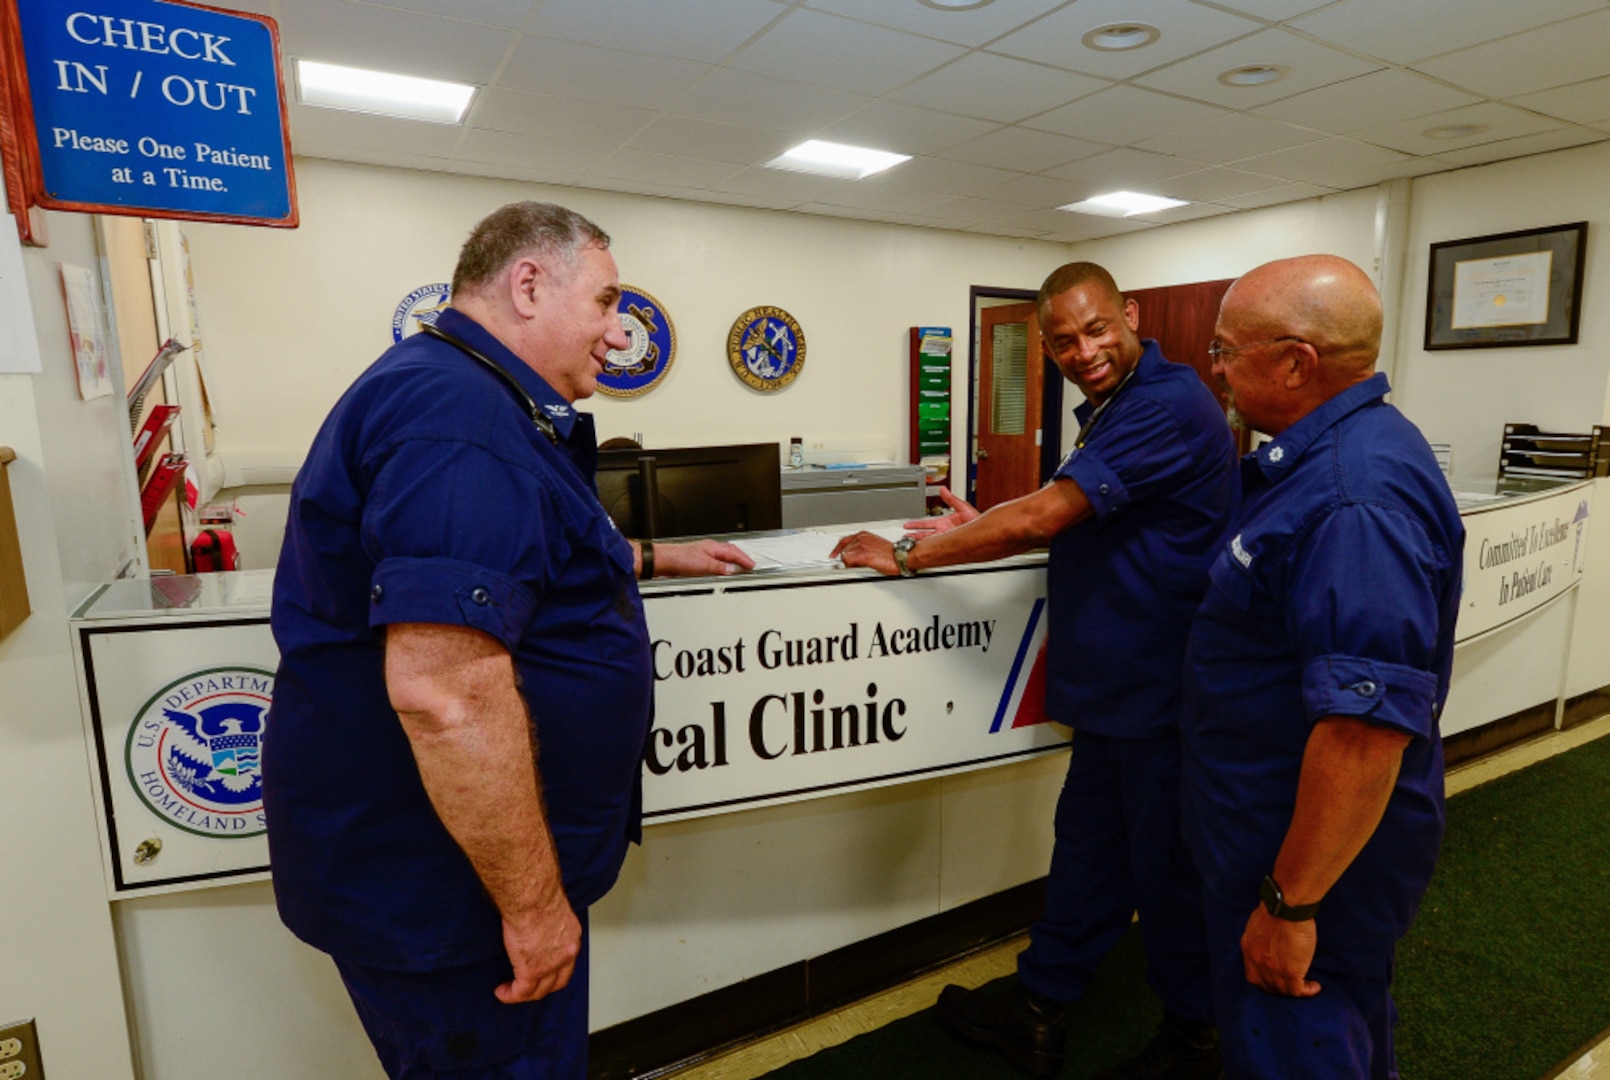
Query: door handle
[[980, 454]]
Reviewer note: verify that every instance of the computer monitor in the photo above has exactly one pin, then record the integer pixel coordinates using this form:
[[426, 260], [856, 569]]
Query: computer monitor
[[693, 490]]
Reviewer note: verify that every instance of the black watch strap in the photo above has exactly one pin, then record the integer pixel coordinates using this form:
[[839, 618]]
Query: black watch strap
[[1274, 902]]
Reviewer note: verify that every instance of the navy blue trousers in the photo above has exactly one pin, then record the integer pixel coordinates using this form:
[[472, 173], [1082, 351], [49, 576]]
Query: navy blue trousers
[[447, 1025], [1342, 1033], [1118, 851]]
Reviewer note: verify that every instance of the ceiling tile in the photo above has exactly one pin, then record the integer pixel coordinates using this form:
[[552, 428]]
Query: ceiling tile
[[495, 148], [812, 47], [861, 213], [1188, 212], [1565, 52], [1273, 196], [340, 32], [962, 27], [1582, 103], [703, 30], [887, 195], [996, 88], [1092, 227], [1273, 10], [1499, 122], [1405, 32], [1038, 191], [1309, 65], [1527, 144], [1367, 101], [1230, 137], [334, 128], [563, 68], [1186, 29], [1316, 160], [1213, 185], [1022, 150], [905, 129], [789, 188], [1125, 115], [950, 177], [1120, 170], [732, 143], [508, 13], [422, 162], [1360, 176], [500, 171], [738, 97], [565, 118], [671, 169], [963, 212]]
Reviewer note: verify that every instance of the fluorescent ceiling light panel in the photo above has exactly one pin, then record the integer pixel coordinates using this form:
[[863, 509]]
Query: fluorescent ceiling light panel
[[1123, 204], [835, 159], [357, 90]]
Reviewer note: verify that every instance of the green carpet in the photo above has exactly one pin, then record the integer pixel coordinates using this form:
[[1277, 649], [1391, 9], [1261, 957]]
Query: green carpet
[[1506, 972]]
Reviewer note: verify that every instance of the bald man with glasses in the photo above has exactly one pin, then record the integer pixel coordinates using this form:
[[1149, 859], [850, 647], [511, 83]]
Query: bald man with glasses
[[1315, 673]]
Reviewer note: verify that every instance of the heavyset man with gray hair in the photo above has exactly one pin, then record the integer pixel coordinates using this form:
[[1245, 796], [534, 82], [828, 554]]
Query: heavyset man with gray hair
[[465, 682]]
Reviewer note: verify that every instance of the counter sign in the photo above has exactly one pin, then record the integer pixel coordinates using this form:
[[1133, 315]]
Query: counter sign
[[157, 108]]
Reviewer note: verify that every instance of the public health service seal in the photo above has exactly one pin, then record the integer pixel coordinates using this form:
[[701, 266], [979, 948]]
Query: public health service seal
[[650, 349], [194, 751], [766, 348], [422, 305]]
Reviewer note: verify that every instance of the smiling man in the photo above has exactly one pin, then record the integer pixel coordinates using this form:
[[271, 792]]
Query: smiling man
[[1131, 517], [1316, 672], [452, 599]]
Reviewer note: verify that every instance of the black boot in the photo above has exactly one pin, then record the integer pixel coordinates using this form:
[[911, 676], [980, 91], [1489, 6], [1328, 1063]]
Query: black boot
[[1179, 1051], [1027, 1028]]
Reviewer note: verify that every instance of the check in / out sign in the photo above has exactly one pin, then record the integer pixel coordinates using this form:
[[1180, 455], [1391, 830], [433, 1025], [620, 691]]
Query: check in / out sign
[[157, 107]]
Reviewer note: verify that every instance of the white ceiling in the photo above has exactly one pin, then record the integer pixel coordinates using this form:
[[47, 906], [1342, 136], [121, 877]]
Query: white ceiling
[[1006, 113]]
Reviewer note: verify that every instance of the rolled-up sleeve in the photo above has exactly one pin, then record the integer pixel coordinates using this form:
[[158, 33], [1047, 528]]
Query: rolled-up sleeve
[[1364, 617], [1134, 453], [460, 537]]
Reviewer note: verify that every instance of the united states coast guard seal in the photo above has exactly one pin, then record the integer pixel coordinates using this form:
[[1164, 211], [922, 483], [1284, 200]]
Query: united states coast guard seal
[[422, 305], [650, 348], [194, 751], [766, 348]]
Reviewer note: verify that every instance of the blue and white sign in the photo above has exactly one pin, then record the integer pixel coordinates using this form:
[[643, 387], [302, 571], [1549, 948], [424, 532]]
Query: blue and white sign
[[650, 348], [159, 108], [419, 308]]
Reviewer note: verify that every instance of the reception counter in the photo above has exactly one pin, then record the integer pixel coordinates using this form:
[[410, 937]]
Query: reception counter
[[845, 770]]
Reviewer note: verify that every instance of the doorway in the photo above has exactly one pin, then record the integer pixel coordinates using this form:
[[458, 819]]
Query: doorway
[[1015, 431]]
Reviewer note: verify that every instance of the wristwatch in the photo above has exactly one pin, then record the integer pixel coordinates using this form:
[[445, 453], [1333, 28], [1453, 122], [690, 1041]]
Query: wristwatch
[[902, 548], [1274, 902]]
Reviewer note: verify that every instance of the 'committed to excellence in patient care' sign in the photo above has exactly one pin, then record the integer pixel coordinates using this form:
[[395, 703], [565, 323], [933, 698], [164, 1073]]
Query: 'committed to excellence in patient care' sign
[[158, 107]]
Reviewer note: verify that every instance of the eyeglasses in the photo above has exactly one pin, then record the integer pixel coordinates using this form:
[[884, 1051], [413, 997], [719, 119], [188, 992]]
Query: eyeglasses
[[1217, 348]]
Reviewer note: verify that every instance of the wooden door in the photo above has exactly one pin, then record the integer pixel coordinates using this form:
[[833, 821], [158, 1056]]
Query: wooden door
[[129, 269], [1181, 318], [1010, 372]]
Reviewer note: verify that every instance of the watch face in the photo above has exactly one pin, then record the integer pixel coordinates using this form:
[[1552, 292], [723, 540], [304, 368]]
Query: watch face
[[766, 348], [650, 348]]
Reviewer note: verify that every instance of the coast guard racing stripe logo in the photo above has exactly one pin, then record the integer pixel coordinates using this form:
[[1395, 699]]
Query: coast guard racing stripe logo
[[194, 752], [1023, 698]]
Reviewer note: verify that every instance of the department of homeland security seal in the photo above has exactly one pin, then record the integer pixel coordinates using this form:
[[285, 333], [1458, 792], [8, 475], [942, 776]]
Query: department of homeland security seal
[[766, 348], [420, 306], [194, 751], [650, 349]]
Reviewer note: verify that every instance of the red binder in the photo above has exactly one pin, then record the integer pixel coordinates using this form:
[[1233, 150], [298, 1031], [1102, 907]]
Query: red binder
[[167, 473]]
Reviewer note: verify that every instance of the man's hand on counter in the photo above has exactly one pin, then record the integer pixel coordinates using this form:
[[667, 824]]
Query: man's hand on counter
[[961, 512], [867, 549], [699, 558]]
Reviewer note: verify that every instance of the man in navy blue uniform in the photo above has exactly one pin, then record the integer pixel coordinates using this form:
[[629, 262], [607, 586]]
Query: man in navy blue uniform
[[1317, 667], [1131, 517], [465, 683]]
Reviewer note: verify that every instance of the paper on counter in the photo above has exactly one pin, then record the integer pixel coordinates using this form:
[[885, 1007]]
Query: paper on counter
[[805, 547]]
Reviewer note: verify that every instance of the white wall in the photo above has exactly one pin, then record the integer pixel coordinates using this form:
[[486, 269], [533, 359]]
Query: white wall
[[58, 957], [291, 317]]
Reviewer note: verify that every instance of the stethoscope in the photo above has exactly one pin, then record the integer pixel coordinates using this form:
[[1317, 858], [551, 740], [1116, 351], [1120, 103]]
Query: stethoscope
[[538, 417]]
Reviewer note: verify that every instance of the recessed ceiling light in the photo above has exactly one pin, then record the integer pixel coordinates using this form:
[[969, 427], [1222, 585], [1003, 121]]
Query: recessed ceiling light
[[1119, 37], [1123, 204], [332, 86], [835, 159], [1454, 131], [955, 5], [1254, 75]]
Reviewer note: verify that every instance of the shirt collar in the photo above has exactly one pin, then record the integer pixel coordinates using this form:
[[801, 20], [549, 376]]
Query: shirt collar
[[472, 333], [1278, 455], [1151, 358]]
